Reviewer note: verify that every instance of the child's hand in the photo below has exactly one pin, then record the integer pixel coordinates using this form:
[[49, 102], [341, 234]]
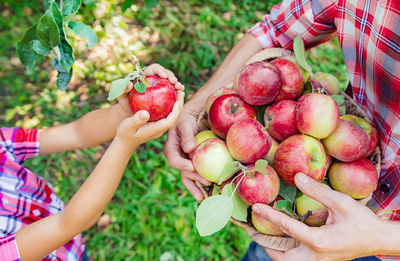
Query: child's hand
[[135, 130], [153, 69]]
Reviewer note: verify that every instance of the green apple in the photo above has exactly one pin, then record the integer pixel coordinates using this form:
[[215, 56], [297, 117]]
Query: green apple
[[204, 135]]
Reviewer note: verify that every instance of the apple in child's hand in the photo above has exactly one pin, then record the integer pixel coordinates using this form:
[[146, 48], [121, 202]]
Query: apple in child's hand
[[292, 77], [280, 121], [248, 141], [347, 143], [271, 153], [300, 153], [373, 135], [226, 110], [216, 94], [316, 115], [255, 187], [259, 83], [319, 212], [327, 81], [210, 158], [158, 99], [357, 178]]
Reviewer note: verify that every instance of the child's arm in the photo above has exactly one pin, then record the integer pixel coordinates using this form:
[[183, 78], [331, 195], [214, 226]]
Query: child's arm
[[97, 126], [44, 236]]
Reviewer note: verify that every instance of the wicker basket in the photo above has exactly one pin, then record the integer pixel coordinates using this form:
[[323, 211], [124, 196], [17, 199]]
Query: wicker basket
[[277, 242]]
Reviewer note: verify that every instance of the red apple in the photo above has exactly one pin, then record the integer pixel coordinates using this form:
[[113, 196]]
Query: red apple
[[259, 83], [292, 77], [319, 212], [216, 94], [356, 179], [280, 121], [158, 99], [226, 110], [327, 81], [255, 187], [300, 153], [347, 143], [271, 153], [317, 115], [210, 158], [248, 141], [373, 135], [292, 58]]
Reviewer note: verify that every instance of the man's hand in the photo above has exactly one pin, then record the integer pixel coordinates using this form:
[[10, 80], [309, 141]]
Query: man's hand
[[352, 230], [179, 143]]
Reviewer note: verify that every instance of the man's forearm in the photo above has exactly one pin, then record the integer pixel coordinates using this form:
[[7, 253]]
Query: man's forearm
[[230, 67]]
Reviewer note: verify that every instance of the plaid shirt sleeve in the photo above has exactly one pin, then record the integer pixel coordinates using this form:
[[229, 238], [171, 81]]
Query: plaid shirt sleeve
[[313, 20], [8, 248], [19, 143]]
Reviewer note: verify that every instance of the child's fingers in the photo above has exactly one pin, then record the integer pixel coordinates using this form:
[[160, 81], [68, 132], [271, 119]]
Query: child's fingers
[[129, 87], [179, 86], [171, 76], [156, 69], [138, 119]]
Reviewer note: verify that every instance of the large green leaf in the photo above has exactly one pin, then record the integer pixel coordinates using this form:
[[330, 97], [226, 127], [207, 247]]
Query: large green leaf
[[239, 211], [213, 214], [84, 31], [25, 51], [47, 30], [39, 48], [63, 77], [58, 18], [287, 192], [117, 88], [299, 52], [70, 7], [66, 55]]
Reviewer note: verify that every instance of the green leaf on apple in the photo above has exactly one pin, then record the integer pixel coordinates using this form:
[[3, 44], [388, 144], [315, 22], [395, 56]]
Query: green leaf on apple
[[340, 101], [299, 52], [228, 171], [239, 211], [287, 192], [140, 87], [261, 166], [213, 214], [117, 88], [286, 207], [307, 88]]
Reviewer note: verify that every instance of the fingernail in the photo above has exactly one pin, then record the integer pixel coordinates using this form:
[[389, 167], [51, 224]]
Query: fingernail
[[143, 115], [303, 178], [256, 209]]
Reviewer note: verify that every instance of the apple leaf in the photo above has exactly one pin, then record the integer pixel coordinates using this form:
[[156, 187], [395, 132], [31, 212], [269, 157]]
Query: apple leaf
[[39, 48], [239, 211], [340, 101], [215, 190], [140, 87], [287, 192], [308, 88], [261, 166], [84, 31], [286, 207], [47, 30], [25, 52], [213, 214], [299, 52], [228, 171], [117, 88]]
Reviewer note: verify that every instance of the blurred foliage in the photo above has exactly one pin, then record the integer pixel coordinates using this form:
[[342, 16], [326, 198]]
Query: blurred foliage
[[152, 213]]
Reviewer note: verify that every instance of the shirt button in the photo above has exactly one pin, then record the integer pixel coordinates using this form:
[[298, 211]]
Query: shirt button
[[36, 212], [385, 188]]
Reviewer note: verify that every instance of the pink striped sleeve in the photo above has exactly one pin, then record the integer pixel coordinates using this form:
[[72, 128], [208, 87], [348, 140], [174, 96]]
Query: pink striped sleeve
[[8, 248]]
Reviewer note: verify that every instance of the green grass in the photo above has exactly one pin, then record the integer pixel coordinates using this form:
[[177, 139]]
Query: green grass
[[153, 214]]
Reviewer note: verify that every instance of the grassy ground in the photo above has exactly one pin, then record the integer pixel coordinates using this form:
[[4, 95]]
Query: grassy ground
[[152, 213]]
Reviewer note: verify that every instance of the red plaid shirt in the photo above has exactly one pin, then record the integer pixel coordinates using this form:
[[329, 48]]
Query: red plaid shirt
[[369, 35], [26, 197]]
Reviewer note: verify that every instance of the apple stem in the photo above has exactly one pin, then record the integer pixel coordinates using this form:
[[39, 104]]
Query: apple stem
[[302, 218], [141, 75], [233, 192]]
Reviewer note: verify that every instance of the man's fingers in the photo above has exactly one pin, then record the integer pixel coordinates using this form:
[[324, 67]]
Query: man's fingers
[[193, 188], [275, 254], [195, 176], [331, 199], [287, 224], [187, 131]]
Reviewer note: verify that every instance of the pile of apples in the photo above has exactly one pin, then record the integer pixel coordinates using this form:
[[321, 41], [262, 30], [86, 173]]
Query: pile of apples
[[299, 131]]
